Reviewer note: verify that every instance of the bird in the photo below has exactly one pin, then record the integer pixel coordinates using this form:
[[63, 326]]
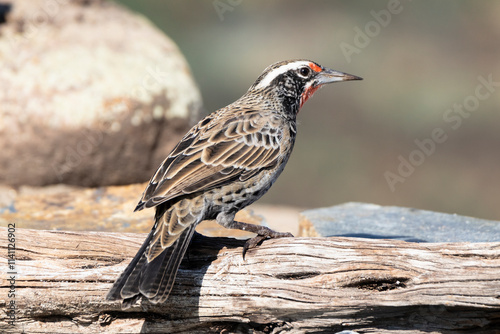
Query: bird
[[224, 163]]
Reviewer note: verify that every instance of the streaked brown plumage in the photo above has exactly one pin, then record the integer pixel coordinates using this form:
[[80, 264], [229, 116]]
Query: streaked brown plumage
[[224, 163]]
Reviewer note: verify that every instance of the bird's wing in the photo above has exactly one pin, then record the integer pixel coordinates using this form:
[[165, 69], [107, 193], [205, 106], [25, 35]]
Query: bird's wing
[[217, 151]]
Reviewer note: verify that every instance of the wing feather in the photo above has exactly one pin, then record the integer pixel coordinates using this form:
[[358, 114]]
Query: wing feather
[[214, 153]]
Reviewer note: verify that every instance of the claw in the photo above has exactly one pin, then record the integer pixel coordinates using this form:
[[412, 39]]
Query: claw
[[252, 243], [268, 233]]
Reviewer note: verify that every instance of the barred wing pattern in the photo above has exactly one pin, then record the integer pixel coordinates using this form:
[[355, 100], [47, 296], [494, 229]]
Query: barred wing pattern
[[214, 153]]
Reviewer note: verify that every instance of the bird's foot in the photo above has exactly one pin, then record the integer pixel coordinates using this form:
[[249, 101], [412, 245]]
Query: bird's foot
[[262, 234]]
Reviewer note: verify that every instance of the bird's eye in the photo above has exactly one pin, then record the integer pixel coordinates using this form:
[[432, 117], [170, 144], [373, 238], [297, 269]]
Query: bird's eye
[[304, 71]]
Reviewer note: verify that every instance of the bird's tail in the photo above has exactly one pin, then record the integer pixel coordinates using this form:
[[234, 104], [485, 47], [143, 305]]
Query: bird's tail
[[152, 280]]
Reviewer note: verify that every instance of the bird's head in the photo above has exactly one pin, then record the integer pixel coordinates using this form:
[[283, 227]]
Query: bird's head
[[295, 81]]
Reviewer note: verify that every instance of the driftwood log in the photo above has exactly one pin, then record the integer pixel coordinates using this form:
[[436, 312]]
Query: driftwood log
[[292, 285]]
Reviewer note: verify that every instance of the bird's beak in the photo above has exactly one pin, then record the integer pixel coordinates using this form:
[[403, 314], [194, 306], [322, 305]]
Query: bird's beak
[[328, 76]]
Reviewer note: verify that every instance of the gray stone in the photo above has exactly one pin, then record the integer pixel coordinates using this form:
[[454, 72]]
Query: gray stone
[[390, 222]]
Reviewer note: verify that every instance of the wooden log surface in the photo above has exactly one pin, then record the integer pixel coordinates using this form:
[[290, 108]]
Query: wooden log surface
[[289, 285]]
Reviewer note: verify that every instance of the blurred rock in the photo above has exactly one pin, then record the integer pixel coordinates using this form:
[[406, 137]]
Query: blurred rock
[[63, 207], [390, 222], [90, 94]]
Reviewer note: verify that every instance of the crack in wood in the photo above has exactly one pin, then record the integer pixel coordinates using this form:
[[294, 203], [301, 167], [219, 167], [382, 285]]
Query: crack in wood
[[297, 275], [379, 284], [474, 256]]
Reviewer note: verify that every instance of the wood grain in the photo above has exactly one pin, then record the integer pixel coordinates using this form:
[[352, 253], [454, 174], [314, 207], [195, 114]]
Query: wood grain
[[290, 285]]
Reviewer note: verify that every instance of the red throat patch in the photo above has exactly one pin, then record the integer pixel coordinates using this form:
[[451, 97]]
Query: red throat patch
[[311, 89], [307, 94]]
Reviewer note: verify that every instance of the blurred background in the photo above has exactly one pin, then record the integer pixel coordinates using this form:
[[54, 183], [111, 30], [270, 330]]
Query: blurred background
[[422, 62]]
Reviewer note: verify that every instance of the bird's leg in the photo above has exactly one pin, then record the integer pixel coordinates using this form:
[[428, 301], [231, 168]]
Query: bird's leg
[[262, 232]]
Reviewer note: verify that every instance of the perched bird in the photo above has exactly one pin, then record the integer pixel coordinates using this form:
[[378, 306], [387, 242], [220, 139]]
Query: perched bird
[[224, 163]]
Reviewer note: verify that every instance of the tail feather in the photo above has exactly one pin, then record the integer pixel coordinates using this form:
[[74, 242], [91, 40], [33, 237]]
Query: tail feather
[[153, 280], [166, 273], [130, 273]]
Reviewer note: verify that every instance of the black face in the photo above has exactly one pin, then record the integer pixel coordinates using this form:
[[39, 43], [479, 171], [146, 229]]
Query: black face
[[288, 81], [295, 81], [292, 86]]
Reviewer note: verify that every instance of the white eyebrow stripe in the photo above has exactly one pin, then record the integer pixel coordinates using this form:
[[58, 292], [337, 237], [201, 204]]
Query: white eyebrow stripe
[[280, 70]]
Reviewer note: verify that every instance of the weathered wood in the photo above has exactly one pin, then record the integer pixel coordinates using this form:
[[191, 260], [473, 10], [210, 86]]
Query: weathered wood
[[287, 285]]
